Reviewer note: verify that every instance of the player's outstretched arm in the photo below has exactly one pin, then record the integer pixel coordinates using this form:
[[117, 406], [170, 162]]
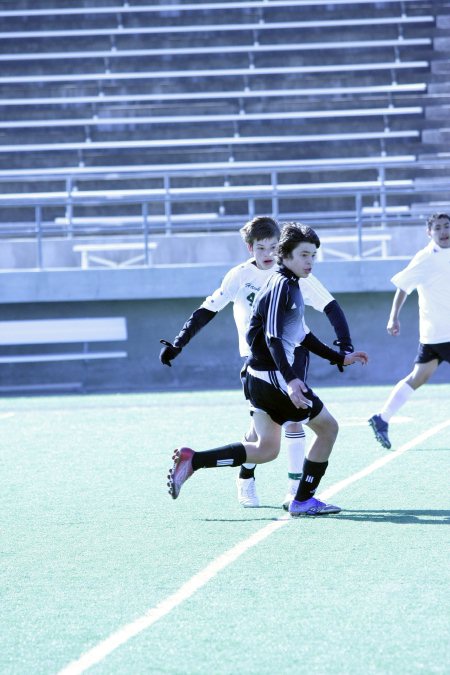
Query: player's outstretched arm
[[316, 346], [319, 348], [210, 307], [193, 325]]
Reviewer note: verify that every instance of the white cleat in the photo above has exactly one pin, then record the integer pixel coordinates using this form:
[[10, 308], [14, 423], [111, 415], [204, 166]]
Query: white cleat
[[247, 496]]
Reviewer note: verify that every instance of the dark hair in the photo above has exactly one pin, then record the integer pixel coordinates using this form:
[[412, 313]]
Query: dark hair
[[261, 227], [435, 217], [293, 234]]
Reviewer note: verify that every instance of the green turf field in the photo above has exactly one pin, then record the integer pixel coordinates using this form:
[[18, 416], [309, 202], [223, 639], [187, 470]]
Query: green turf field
[[99, 564]]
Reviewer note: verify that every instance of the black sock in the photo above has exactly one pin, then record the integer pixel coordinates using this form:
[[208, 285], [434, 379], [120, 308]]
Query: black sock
[[228, 455], [309, 482], [246, 473]]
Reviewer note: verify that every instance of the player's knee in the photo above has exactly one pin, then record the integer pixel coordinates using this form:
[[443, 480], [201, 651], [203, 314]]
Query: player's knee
[[268, 451], [421, 374], [416, 380], [332, 428], [329, 429], [325, 426], [250, 435]]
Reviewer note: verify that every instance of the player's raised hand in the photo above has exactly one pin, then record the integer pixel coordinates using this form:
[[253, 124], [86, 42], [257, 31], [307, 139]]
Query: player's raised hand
[[296, 390], [356, 357], [168, 353]]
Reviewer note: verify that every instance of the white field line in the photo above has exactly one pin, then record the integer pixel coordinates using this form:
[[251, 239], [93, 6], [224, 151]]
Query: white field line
[[121, 636], [337, 487]]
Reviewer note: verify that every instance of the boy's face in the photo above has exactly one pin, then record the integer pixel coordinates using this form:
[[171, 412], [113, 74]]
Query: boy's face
[[302, 259], [264, 251], [440, 232]]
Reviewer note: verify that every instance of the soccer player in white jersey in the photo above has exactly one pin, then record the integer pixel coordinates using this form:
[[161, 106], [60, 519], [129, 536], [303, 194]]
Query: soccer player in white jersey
[[240, 286], [271, 382], [429, 273]]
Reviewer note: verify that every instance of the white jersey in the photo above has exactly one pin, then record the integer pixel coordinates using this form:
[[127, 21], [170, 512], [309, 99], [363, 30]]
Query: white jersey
[[429, 273], [240, 286]]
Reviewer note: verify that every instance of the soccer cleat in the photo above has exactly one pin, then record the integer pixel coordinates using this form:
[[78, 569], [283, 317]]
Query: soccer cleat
[[312, 507], [380, 429], [247, 496], [180, 471], [290, 494]]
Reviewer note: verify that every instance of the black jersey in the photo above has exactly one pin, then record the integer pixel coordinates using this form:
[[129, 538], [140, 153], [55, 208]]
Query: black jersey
[[276, 325]]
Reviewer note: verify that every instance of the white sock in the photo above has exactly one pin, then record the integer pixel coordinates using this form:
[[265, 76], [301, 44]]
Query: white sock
[[296, 445], [401, 393], [249, 466]]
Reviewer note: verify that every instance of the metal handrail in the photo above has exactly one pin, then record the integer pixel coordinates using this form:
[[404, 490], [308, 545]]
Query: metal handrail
[[359, 219], [164, 198]]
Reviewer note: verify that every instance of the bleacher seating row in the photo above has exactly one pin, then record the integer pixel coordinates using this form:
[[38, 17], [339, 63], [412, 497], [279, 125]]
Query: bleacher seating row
[[87, 10], [179, 7], [186, 29], [212, 117], [239, 96], [245, 71]]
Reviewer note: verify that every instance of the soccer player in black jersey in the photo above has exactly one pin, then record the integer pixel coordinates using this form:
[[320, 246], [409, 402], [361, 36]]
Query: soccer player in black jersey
[[277, 394], [240, 287]]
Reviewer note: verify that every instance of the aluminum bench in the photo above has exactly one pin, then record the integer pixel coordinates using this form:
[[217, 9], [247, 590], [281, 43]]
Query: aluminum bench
[[83, 331]]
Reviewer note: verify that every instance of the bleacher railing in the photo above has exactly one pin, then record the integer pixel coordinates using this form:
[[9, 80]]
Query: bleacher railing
[[375, 203]]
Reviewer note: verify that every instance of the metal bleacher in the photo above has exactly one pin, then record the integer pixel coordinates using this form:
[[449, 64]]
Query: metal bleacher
[[195, 116]]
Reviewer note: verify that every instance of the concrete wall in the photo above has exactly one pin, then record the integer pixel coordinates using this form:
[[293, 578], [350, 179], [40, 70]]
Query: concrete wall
[[157, 301], [174, 281], [186, 249]]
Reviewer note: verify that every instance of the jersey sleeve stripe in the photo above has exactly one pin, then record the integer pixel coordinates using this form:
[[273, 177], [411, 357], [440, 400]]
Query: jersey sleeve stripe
[[273, 308]]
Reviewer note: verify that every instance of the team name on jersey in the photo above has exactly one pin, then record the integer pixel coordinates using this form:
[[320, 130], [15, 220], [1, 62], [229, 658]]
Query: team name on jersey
[[250, 285]]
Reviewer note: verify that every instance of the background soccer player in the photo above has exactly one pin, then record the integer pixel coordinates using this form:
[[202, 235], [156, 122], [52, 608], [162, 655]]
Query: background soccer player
[[429, 273], [240, 286], [272, 385]]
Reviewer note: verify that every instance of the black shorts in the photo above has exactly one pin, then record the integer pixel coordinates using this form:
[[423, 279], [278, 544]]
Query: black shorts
[[276, 403], [427, 353]]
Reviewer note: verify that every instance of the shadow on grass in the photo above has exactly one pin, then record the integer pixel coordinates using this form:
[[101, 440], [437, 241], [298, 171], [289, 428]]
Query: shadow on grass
[[252, 515], [407, 517], [417, 517]]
